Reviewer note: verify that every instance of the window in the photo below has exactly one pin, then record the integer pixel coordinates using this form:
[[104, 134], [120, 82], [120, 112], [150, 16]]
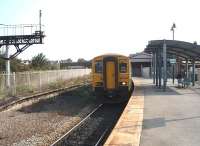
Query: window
[[98, 67], [123, 67]]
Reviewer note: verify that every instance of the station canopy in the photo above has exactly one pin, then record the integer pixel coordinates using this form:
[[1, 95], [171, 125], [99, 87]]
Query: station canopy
[[182, 49]]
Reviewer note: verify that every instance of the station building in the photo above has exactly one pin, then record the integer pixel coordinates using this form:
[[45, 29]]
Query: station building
[[141, 64]]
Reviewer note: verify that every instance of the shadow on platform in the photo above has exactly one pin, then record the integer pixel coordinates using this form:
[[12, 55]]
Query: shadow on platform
[[161, 122], [150, 89]]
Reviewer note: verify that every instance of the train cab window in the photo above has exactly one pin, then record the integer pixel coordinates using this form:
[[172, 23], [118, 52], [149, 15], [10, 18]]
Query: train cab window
[[123, 67], [98, 67]]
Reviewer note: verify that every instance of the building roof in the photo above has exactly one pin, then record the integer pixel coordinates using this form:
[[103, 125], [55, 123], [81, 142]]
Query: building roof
[[140, 57], [179, 48]]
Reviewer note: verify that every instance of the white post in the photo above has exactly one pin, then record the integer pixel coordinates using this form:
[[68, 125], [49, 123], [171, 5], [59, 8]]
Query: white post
[[71, 74], [48, 77], [14, 84], [60, 75], [29, 81], [7, 67], [40, 81]]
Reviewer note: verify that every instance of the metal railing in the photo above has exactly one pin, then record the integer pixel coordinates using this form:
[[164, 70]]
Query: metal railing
[[19, 29]]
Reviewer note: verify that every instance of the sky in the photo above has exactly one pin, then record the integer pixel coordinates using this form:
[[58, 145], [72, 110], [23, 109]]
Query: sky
[[87, 28]]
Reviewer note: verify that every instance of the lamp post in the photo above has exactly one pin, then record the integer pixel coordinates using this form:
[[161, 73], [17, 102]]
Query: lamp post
[[172, 29]]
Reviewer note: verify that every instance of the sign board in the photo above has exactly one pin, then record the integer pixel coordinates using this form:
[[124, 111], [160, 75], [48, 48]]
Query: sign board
[[172, 61]]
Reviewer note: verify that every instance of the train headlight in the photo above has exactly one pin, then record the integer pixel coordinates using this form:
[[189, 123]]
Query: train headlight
[[123, 83]]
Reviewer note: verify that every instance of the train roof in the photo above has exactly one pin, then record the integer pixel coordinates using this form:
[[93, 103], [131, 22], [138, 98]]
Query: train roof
[[111, 54]]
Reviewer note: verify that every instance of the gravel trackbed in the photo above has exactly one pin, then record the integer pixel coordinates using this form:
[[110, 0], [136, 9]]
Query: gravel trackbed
[[41, 123]]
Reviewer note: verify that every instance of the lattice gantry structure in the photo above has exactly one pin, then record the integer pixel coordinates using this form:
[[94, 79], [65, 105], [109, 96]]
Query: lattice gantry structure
[[20, 36]]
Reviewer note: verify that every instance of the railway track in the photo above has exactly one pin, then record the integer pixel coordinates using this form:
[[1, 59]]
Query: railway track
[[45, 118], [39, 95], [94, 128], [91, 131]]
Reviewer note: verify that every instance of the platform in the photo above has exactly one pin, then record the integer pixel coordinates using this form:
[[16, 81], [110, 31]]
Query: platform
[[128, 128], [171, 118]]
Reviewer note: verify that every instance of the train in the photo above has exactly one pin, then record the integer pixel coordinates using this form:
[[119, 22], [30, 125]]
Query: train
[[111, 78]]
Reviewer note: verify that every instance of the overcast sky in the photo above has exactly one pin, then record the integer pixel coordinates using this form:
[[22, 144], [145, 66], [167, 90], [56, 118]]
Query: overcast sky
[[86, 28]]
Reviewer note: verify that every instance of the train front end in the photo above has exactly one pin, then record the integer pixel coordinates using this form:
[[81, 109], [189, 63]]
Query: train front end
[[111, 78]]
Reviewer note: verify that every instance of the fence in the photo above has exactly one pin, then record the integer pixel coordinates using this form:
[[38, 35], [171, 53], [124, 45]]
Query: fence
[[23, 83]]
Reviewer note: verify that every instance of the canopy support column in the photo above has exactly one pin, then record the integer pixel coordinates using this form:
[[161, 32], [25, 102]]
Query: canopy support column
[[173, 70], [164, 66], [157, 67], [193, 72], [150, 71], [154, 67], [186, 65]]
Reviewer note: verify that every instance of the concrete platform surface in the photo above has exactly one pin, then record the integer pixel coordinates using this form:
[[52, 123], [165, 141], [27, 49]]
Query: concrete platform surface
[[171, 118], [127, 131]]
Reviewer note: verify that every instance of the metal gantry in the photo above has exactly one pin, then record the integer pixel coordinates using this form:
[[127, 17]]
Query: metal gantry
[[20, 42], [21, 37]]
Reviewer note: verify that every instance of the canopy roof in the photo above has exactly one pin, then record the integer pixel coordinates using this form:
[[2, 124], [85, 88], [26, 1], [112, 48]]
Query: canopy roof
[[179, 48]]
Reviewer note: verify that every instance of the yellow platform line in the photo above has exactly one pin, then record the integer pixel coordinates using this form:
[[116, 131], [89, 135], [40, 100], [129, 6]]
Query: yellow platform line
[[128, 129]]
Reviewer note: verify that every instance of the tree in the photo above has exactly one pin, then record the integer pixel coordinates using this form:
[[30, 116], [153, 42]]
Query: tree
[[16, 65], [39, 62], [2, 65], [81, 60], [69, 60]]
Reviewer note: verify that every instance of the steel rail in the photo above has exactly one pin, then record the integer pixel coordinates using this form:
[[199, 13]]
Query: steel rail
[[38, 95], [77, 125], [102, 137]]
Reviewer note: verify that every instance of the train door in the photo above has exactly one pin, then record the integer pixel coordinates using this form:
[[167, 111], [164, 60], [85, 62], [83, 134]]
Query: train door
[[110, 74]]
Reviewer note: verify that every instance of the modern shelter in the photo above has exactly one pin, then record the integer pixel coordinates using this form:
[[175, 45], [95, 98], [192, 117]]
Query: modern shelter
[[164, 51]]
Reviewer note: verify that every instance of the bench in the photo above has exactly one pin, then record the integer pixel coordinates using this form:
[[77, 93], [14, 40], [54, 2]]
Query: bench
[[184, 83]]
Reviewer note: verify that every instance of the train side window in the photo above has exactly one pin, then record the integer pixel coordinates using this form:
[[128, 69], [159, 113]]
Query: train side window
[[123, 67], [98, 67]]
